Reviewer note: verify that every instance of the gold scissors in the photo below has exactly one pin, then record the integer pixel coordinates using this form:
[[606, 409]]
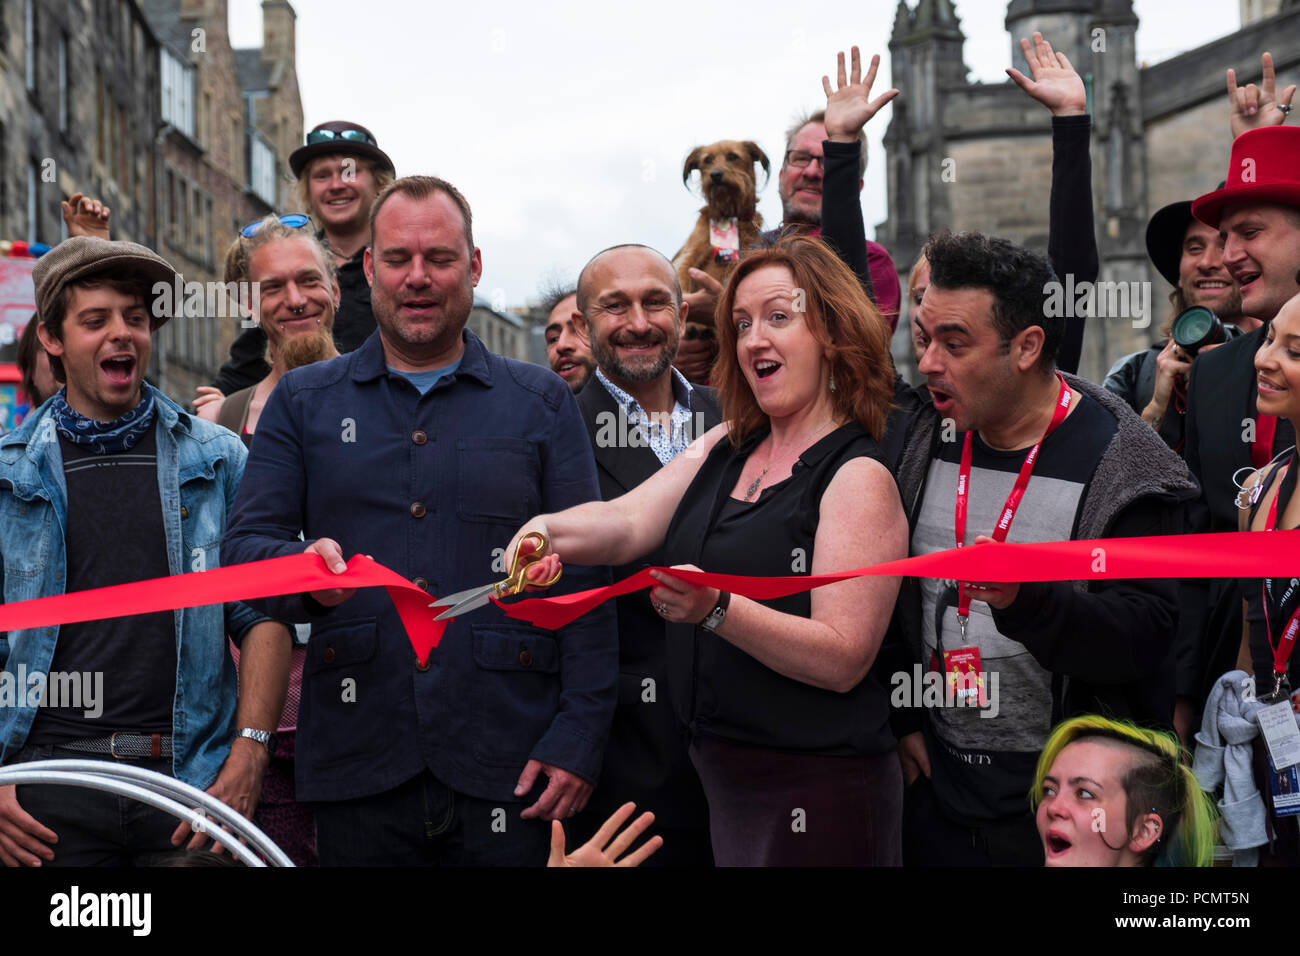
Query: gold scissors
[[462, 602]]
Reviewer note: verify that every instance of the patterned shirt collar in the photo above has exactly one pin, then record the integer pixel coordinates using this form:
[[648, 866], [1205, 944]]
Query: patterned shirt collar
[[668, 443]]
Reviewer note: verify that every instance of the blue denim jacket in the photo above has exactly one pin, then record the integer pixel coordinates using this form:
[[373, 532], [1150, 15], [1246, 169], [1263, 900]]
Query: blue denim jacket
[[434, 487], [199, 467]]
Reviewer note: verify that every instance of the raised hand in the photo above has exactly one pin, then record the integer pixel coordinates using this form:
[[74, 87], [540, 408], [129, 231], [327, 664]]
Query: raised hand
[[1250, 106], [85, 216], [1056, 84], [849, 106]]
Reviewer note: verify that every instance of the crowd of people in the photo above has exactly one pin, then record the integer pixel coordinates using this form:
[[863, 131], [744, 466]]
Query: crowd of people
[[360, 416]]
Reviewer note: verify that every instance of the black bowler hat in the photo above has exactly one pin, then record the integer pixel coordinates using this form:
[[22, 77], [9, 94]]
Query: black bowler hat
[[1165, 234], [335, 137]]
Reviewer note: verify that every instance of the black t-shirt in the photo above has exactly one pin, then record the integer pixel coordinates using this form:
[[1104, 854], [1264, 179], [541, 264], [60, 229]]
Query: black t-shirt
[[982, 765], [719, 689], [125, 665]]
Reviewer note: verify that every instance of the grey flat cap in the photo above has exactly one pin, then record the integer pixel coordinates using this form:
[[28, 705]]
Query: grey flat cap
[[82, 256]]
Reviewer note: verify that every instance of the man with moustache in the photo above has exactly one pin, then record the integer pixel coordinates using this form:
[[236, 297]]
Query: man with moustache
[[110, 482], [641, 413], [1189, 254], [566, 350], [340, 170], [1257, 215], [1058, 648], [427, 451]]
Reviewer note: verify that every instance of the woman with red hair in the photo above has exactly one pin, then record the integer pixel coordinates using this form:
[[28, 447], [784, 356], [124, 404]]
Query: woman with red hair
[[789, 726]]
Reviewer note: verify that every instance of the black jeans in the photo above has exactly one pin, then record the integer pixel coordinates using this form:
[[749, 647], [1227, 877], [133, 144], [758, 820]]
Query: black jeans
[[97, 828], [423, 822]]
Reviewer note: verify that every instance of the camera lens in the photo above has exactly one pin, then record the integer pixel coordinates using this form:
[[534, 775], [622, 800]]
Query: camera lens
[[1196, 328]]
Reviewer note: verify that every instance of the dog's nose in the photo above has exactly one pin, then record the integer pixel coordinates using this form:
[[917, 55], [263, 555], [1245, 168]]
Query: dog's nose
[[716, 175]]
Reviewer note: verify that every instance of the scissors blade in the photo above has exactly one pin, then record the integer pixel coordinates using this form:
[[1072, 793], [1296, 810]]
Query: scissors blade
[[462, 602]]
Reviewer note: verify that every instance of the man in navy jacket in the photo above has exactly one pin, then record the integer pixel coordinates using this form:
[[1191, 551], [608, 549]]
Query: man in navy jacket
[[427, 452]]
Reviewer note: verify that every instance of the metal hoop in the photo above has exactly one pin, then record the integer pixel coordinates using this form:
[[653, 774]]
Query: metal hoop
[[157, 790]]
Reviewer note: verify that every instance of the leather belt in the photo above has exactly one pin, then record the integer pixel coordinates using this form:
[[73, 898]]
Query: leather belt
[[123, 745]]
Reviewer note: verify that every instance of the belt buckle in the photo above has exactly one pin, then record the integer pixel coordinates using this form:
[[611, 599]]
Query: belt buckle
[[112, 746]]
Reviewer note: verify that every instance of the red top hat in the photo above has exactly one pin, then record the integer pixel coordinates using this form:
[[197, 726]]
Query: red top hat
[[1265, 167]]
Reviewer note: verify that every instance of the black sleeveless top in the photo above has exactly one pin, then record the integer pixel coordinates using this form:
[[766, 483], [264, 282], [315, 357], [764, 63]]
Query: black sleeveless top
[[717, 688], [1270, 602]]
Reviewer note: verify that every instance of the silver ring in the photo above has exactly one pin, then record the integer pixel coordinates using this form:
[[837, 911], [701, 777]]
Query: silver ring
[[662, 609], [573, 811], [1284, 107]]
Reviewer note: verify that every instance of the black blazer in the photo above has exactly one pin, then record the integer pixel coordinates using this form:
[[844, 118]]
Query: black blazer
[[646, 759]]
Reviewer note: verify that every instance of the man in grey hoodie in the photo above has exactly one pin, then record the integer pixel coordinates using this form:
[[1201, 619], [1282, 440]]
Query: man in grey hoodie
[[1000, 417]]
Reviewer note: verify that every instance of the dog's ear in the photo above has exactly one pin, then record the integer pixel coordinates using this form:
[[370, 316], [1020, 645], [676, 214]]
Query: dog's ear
[[756, 155], [692, 164]]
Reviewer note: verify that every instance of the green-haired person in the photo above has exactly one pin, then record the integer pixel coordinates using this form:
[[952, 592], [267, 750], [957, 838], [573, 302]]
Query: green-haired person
[[1110, 793]]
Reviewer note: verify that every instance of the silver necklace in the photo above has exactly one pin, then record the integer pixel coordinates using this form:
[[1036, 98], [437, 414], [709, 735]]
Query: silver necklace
[[758, 482]]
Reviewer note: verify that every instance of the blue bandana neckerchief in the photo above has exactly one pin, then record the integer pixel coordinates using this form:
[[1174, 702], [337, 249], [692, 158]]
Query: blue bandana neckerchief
[[102, 438]]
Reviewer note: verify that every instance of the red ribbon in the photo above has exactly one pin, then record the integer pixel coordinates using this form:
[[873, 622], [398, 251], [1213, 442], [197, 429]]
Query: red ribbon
[[294, 574], [1233, 553], [1228, 553]]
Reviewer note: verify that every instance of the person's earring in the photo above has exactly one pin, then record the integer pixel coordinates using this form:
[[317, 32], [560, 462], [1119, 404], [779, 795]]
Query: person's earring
[[832, 381]]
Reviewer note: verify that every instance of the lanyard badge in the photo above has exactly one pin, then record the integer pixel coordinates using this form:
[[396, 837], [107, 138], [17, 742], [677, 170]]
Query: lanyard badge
[[1008, 513]]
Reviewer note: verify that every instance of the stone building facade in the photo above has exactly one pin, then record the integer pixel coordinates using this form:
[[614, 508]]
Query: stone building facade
[[224, 158], [502, 332], [143, 104], [972, 156], [78, 113]]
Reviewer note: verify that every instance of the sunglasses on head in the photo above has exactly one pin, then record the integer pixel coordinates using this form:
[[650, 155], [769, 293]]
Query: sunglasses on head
[[294, 220], [325, 135]]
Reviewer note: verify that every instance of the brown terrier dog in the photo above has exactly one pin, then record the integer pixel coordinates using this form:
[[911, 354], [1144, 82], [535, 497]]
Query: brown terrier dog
[[729, 223]]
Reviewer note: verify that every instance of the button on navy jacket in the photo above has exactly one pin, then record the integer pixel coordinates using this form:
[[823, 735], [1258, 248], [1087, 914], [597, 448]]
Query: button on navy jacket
[[433, 487]]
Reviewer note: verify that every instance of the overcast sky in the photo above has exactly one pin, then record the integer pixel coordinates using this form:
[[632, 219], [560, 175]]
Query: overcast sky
[[566, 123]]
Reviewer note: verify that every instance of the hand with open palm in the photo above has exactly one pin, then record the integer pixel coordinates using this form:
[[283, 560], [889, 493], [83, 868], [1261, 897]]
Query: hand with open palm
[[1056, 84], [849, 107]]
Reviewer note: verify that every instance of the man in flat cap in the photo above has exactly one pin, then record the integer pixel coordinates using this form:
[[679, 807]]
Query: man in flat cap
[[111, 482], [340, 171]]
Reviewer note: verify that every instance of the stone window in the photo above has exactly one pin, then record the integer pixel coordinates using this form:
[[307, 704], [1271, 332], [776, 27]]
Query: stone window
[[177, 80]]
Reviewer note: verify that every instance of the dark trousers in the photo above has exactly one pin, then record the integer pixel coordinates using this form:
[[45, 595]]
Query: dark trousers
[[423, 822], [97, 828], [772, 808], [932, 839], [279, 814]]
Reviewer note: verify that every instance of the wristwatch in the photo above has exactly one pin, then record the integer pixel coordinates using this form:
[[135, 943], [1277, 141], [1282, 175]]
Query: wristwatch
[[717, 615], [266, 738]]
